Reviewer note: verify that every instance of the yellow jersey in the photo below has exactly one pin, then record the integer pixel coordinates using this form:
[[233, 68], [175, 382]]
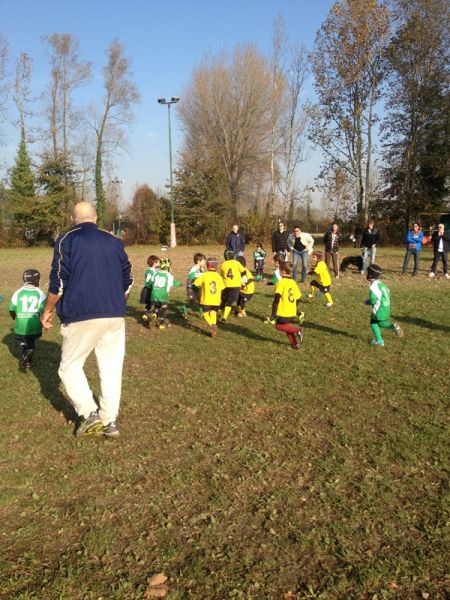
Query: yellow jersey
[[232, 272], [322, 274], [211, 286], [289, 292], [249, 286]]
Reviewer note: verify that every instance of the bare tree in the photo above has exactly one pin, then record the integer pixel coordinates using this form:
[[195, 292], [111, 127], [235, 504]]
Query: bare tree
[[114, 113], [226, 114], [348, 65], [4, 88], [67, 74], [21, 87]]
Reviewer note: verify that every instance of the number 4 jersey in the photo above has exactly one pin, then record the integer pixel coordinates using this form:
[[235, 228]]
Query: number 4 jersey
[[28, 303]]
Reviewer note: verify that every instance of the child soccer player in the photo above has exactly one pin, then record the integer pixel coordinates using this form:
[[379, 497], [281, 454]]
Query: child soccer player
[[191, 291], [146, 293], [285, 307], [258, 261], [233, 276], [211, 286], [163, 281], [277, 260], [27, 304], [323, 279], [247, 289], [380, 301]]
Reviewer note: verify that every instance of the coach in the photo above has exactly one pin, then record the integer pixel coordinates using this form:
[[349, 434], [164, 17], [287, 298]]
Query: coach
[[235, 241], [90, 280]]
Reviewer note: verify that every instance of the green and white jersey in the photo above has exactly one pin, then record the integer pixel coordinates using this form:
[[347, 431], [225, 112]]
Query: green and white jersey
[[162, 284], [195, 272], [149, 275], [28, 303], [380, 300]]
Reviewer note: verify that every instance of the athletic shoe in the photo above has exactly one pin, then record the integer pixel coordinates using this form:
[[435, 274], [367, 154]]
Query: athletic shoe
[[376, 343], [154, 318], [329, 304], [26, 362], [310, 296], [301, 336], [269, 321], [447, 276], [160, 326], [145, 320], [111, 430], [90, 424], [397, 329], [295, 346], [241, 313], [431, 274], [213, 330]]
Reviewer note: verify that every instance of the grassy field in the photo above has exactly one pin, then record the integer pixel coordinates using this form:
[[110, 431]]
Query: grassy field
[[244, 470]]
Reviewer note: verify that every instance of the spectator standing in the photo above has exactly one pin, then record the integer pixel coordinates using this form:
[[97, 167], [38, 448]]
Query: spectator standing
[[90, 280], [369, 241], [235, 241], [301, 245], [280, 242], [332, 241], [441, 244], [414, 239]]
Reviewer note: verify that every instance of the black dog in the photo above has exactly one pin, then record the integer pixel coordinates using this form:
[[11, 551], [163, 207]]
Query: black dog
[[354, 261]]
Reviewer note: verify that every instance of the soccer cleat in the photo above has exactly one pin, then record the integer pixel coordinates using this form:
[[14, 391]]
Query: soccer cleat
[[329, 304], [213, 330], [295, 346], [431, 274], [26, 362], [376, 343], [111, 430], [300, 336], [269, 321], [90, 424], [397, 329], [311, 296], [145, 320], [241, 313]]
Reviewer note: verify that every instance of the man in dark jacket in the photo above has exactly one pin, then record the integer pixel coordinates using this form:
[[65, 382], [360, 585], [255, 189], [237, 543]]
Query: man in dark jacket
[[235, 241], [369, 241], [441, 244], [280, 241], [90, 280], [332, 241]]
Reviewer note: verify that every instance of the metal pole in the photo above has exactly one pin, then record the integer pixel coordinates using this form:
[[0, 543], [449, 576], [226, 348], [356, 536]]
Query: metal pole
[[173, 234]]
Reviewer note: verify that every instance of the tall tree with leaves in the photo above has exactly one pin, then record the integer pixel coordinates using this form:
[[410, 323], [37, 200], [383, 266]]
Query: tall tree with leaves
[[417, 123], [226, 114], [348, 66], [115, 112]]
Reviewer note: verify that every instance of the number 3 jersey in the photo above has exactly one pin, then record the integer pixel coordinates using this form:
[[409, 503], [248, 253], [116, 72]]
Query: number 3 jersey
[[28, 303], [289, 294], [211, 285]]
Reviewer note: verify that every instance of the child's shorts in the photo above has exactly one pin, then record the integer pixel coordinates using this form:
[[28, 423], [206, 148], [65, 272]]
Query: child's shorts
[[230, 295], [324, 289], [208, 307]]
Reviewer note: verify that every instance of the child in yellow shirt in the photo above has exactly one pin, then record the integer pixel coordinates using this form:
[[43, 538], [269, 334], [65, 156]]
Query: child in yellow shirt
[[322, 282]]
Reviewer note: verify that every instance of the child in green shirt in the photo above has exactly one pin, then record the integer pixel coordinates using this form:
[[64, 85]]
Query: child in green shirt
[[26, 306], [380, 301], [163, 281], [191, 291]]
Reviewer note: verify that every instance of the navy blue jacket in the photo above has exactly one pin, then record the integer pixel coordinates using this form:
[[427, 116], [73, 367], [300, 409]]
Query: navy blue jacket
[[235, 242], [91, 272]]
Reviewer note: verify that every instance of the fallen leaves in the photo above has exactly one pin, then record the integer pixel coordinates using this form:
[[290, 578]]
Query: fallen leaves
[[156, 586]]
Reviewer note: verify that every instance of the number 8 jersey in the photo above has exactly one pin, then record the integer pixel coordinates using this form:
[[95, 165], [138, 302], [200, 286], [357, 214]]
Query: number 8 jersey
[[28, 303], [289, 293]]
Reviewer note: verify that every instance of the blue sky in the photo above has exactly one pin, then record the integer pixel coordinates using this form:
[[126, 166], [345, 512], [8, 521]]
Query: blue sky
[[165, 41]]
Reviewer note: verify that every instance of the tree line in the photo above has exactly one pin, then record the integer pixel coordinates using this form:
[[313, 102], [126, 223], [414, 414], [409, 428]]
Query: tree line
[[380, 118]]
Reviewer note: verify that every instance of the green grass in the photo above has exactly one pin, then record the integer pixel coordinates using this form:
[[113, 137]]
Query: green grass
[[244, 470]]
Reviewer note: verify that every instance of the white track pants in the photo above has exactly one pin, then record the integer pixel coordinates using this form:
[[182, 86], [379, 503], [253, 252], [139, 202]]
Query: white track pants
[[107, 338]]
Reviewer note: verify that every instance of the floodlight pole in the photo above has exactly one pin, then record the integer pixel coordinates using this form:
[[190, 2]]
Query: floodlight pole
[[173, 233]]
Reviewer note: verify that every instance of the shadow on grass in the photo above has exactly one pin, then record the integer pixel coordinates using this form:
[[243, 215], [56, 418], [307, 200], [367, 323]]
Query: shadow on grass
[[47, 357], [423, 323], [331, 330]]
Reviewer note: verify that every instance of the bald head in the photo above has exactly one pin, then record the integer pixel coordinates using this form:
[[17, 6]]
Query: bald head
[[84, 212]]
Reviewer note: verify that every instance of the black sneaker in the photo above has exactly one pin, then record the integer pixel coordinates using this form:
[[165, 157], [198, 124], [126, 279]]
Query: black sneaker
[[111, 430], [90, 424], [26, 362]]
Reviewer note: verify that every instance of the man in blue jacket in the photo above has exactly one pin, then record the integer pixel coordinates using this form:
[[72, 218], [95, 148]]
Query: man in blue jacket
[[90, 280], [414, 239], [235, 241]]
